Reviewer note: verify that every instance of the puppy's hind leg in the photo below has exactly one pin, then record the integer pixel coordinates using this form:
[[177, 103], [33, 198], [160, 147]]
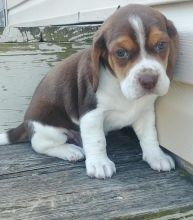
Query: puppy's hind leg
[[52, 142]]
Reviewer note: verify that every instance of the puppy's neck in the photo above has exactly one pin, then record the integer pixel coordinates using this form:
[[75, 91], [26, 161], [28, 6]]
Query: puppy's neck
[[107, 80]]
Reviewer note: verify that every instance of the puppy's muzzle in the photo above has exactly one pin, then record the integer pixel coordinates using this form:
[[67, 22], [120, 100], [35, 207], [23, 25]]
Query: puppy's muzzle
[[148, 82]]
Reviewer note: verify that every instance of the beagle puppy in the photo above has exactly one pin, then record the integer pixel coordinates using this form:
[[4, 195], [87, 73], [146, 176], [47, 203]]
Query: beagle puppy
[[111, 85]]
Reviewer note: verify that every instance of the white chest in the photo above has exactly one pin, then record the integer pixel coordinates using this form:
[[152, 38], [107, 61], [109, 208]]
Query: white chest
[[114, 120], [119, 114], [118, 111]]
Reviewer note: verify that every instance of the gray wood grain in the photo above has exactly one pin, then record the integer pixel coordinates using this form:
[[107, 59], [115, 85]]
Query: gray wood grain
[[34, 186]]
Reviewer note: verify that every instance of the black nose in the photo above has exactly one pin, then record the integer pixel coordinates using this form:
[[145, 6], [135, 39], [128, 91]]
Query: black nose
[[148, 81]]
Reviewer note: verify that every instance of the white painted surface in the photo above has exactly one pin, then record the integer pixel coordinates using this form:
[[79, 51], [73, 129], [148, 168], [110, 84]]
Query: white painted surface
[[14, 3], [59, 12], [175, 120], [22, 67]]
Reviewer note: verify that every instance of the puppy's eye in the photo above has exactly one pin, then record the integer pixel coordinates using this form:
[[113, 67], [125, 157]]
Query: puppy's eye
[[121, 53], [160, 46]]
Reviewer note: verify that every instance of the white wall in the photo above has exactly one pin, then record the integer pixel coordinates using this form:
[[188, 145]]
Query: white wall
[[58, 12], [14, 3]]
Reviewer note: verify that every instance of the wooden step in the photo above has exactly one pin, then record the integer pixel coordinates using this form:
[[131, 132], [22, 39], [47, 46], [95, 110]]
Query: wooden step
[[33, 186]]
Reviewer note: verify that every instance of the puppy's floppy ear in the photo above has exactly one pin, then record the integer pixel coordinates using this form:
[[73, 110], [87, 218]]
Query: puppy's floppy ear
[[98, 50], [173, 47]]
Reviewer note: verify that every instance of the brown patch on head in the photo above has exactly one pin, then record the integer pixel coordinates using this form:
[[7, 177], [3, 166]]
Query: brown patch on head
[[125, 42]]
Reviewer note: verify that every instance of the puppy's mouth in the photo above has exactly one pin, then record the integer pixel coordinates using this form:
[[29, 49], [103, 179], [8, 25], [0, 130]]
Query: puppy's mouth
[[145, 81], [155, 91], [146, 93]]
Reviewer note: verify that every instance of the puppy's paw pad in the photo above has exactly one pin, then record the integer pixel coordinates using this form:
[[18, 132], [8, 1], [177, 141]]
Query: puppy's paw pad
[[100, 168], [72, 153], [160, 161]]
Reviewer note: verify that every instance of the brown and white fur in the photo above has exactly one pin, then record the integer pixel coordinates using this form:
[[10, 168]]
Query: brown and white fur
[[109, 86]]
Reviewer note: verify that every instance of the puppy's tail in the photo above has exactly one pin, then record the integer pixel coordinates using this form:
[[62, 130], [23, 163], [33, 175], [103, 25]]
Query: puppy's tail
[[15, 135]]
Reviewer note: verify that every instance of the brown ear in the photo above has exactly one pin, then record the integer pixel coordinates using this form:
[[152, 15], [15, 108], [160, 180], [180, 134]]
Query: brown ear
[[173, 45], [97, 53]]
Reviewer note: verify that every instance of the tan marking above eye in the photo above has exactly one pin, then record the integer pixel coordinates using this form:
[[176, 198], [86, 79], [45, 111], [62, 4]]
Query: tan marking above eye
[[156, 36], [124, 42]]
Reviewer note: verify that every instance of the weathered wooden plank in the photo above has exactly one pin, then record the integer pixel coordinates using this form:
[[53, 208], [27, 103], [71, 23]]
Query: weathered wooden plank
[[40, 187], [29, 160], [76, 33], [72, 33], [20, 34], [22, 66]]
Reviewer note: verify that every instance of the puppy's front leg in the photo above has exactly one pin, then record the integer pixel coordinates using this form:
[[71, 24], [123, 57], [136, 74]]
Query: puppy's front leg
[[147, 135], [94, 143]]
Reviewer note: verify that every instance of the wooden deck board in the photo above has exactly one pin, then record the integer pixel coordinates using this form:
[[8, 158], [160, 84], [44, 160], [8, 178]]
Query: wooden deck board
[[34, 186]]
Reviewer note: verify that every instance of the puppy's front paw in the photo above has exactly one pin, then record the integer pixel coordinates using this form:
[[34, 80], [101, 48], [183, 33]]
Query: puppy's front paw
[[100, 167], [159, 161]]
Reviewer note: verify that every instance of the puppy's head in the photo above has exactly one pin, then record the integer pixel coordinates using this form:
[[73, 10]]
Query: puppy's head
[[139, 46]]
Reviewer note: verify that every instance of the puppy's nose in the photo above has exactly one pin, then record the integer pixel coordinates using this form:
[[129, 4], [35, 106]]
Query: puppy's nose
[[148, 81]]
